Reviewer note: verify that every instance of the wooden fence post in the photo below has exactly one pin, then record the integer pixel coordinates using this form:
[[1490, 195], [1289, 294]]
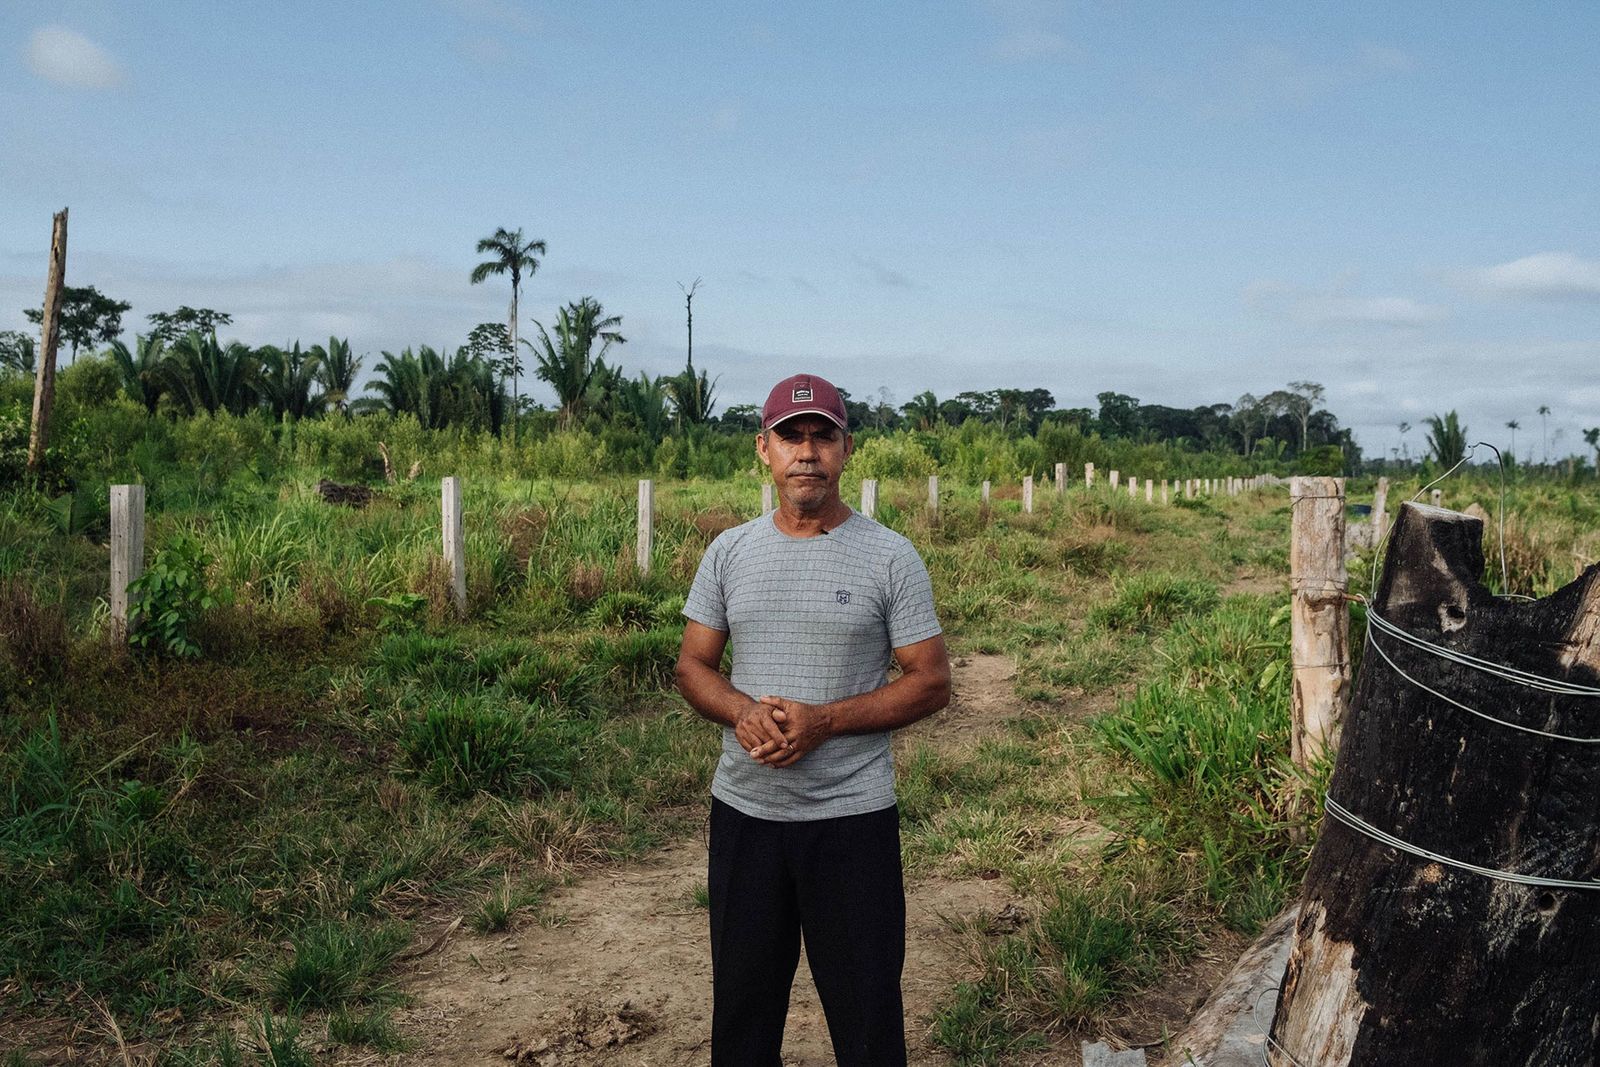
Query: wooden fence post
[[1133, 486], [455, 549], [986, 492], [1455, 938], [1319, 620], [1027, 494], [1061, 477], [44, 381], [1088, 475], [1164, 498], [127, 552], [766, 498], [1438, 498], [1380, 505], [1149, 491], [1188, 489], [647, 523], [869, 497], [1111, 479], [933, 496]]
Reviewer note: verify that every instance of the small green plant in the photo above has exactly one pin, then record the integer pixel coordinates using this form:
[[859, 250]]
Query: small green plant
[[279, 1043], [496, 910], [402, 611], [374, 1029], [168, 600], [468, 746], [336, 963], [1144, 602]]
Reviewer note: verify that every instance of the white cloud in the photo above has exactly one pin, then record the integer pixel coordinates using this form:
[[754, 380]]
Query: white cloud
[[1542, 276], [1336, 307], [68, 58]]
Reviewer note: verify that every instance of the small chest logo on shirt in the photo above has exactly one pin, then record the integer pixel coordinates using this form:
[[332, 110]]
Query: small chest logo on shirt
[[842, 596], [801, 394]]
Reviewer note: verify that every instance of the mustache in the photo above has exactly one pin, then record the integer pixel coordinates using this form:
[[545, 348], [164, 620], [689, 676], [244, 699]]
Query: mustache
[[805, 468]]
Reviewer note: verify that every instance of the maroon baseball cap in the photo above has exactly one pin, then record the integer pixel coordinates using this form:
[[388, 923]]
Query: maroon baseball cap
[[804, 394]]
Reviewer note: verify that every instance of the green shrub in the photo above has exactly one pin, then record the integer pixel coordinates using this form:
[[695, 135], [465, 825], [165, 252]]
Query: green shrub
[[168, 600], [336, 963], [896, 455], [641, 660]]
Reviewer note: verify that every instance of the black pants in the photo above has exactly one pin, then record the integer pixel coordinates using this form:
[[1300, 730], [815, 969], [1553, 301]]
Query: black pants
[[837, 882]]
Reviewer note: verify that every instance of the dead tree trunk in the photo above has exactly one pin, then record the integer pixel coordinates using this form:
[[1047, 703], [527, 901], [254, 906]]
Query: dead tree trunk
[[1406, 959], [44, 385]]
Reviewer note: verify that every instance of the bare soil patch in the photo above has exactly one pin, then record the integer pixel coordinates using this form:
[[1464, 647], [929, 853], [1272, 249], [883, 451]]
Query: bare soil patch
[[623, 974]]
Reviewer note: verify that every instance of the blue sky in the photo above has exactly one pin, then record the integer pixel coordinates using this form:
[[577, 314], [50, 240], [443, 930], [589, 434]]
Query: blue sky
[[1184, 202]]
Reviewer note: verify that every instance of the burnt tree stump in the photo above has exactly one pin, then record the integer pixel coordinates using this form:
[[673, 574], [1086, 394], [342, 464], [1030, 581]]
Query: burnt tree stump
[[1399, 959]]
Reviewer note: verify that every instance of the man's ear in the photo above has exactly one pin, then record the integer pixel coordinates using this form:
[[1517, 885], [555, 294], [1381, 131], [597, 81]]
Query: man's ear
[[761, 449], [849, 446]]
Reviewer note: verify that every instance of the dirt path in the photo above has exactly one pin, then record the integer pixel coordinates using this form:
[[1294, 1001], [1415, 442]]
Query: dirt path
[[626, 979]]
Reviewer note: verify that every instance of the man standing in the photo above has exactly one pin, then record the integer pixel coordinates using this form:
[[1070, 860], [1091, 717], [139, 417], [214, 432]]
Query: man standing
[[805, 835]]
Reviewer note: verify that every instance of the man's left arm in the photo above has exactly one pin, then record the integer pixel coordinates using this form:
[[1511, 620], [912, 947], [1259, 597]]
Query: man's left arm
[[922, 689]]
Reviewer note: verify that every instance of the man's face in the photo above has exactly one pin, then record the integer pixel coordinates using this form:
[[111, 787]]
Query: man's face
[[806, 455]]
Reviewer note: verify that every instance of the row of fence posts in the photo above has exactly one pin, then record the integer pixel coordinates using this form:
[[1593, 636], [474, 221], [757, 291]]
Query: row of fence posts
[[127, 521]]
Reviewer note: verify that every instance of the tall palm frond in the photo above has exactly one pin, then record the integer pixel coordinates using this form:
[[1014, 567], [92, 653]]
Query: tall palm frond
[[204, 375], [287, 378], [569, 361], [336, 372], [1447, 439], [142, 377]]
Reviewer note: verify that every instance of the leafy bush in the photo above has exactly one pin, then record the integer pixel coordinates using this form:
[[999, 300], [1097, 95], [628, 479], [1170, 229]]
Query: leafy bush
[[641, 660], [168, 600], [897, 455]]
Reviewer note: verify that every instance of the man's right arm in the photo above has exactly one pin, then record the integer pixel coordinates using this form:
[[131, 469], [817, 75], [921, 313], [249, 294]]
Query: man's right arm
[[709, 692]]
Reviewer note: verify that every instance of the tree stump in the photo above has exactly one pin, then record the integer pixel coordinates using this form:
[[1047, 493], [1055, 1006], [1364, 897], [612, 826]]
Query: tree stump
[[1400, 959]]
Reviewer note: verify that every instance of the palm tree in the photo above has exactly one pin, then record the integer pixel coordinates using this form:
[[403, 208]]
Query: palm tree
[[1591, 437], [692, 396], [1544, 410], [17, 352], [1513, 426], [336, 372], [923, 410], [569, 362], [644, 401], [411, 384], [1447, 439], [287, 378], [142, 378], [203, 374], [512, 255], [1405, 449]]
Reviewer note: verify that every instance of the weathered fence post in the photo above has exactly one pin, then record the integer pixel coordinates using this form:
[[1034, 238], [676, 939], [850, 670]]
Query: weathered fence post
[[986, 492], [1466, 934], [1111, 479], [1088, 475], [1149, 491], [1027, 494], [44, 381], [869, 497], [766, 498], [1061, 477], [1133, 487], [455, 553], [127, 552], [1164, 483], [1319, 621], [933, 497], [1380, 503], [647, 523], [1188, 489], [1438, 498]]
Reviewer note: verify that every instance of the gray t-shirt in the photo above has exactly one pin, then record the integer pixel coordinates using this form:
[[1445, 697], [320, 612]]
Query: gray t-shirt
[[813, 619]]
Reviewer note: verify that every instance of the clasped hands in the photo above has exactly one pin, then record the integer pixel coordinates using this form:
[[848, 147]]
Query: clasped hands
[[777, 731]]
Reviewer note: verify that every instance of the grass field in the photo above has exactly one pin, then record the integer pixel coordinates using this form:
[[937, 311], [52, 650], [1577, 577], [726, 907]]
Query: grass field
[[223, 858]]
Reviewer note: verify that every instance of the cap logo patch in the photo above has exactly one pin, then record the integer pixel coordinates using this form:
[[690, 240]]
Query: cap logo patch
[[801, 394]]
